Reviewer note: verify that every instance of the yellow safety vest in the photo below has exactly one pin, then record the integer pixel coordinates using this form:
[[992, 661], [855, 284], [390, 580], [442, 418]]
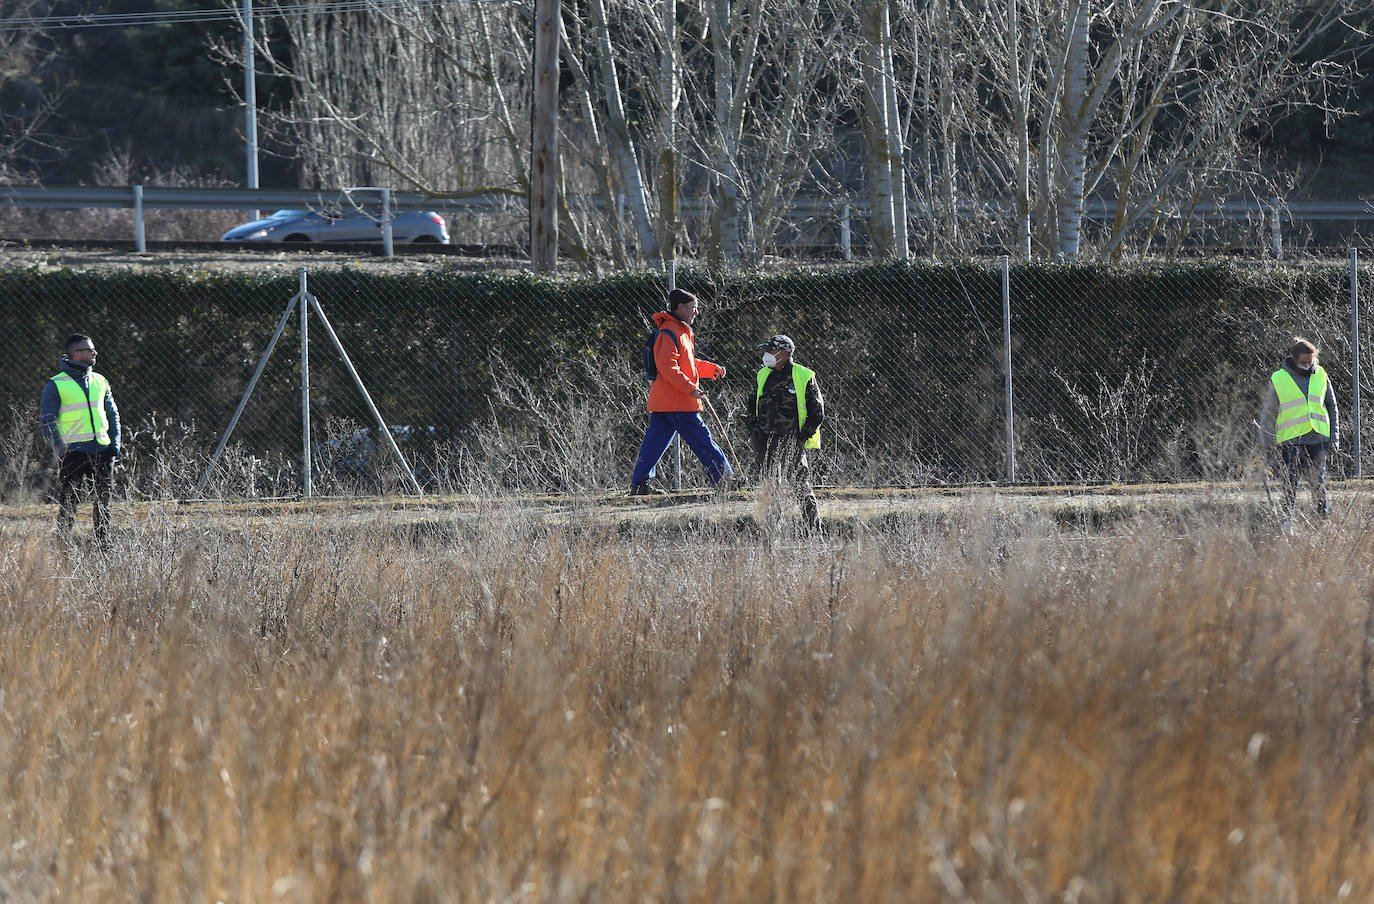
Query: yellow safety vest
[[81, 414], [1300, 414], [801, 376]]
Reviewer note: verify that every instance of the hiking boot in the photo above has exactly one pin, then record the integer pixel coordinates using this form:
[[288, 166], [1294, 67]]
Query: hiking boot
[[645, 489]]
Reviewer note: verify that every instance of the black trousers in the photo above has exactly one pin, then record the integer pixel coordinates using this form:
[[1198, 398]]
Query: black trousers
[[781, 455], [1309, 459], [81, 471]]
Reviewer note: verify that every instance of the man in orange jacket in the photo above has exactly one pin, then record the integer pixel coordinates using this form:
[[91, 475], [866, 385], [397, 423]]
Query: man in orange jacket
[[675, 398]]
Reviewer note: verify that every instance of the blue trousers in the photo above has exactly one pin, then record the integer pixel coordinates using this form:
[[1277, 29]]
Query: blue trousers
[[695, 433]]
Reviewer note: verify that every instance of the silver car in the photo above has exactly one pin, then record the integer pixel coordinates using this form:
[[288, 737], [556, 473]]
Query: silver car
[[340, 226]]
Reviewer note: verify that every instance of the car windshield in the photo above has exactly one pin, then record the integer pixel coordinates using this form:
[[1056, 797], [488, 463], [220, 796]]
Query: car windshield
[[287, 214]]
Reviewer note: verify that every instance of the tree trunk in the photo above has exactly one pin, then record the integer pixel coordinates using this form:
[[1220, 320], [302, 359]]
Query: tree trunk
[[1073, 162], [1020, 94], [727, 212], [620, 131], [878, 147], [598, 154], [949, 146], [896, 146], [667, 152]]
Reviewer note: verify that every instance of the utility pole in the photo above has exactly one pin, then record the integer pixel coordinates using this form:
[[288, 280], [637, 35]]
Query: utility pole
[[667, 155], [250, 99], [544, 138]]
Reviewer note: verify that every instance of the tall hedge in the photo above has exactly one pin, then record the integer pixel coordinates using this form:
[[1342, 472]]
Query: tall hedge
[[1118, 374]]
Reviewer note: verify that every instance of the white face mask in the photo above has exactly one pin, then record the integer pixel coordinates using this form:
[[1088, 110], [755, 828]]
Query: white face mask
[[770, 359]]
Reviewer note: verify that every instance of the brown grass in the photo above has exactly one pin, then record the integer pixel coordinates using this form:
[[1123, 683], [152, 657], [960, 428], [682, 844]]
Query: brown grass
[[966, 709]]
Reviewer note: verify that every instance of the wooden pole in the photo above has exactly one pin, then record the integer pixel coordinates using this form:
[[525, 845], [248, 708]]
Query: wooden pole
[[667, 155], [544, 138]]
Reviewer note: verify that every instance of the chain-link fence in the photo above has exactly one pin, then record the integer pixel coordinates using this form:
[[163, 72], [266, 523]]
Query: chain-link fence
[[505, 381]]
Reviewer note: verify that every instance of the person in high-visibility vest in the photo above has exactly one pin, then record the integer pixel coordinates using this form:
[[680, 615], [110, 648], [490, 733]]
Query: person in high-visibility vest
[[1299, 415], [79, 421], [785, 421]]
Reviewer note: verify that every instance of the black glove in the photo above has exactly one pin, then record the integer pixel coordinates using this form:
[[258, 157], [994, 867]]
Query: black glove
[[109, 453]]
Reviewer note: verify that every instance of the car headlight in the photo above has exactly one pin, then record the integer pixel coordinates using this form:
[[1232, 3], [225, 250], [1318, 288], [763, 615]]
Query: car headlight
[[259, 234]]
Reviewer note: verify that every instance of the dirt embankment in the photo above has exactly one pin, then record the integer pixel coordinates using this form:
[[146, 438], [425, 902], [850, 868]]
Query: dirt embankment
[[246, 259], [845, 512]]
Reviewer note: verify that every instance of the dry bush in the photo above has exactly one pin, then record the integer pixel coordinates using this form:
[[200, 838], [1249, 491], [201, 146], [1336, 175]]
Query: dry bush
[[24, 457], [478, 709]]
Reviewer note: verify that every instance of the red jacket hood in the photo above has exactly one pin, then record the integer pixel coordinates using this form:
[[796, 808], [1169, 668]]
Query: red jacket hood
[[665, 321]]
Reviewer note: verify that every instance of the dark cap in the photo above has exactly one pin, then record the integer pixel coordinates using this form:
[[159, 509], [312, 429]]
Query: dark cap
[[779, 341], [677, 297]]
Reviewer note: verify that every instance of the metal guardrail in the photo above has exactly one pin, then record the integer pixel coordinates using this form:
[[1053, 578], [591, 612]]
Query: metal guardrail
[[497, 202], [836, 209], [139, 197], [245, 198]]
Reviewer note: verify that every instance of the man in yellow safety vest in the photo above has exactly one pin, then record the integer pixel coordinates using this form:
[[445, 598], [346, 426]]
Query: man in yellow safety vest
[[80, 422], [787, 411], [1300, 417]]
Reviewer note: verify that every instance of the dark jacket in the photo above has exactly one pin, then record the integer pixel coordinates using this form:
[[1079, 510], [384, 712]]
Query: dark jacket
[[51, 401], [1270, 409], [777, 407]]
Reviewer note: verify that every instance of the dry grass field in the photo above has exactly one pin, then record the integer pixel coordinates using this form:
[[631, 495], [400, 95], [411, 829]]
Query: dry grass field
[[969, 707]]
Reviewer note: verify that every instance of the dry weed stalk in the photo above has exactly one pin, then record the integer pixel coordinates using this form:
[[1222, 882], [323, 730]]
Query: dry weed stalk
[[256, 712]]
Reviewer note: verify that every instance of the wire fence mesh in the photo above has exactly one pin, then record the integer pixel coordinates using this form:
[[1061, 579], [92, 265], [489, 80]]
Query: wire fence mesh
[[507, 382]]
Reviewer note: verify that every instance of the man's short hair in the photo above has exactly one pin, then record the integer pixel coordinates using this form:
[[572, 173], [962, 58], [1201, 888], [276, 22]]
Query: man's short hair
[[1301, 346], [73, 339], [679, 297]]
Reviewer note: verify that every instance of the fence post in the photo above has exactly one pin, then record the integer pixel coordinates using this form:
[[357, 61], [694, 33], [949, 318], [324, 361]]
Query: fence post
[[1006, 366], [1276, 231], [1355, 349], [846, 241], [305, 390], [139, 244], [387, 248]]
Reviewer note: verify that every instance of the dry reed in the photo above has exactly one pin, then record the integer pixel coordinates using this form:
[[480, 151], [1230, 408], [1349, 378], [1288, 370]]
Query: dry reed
[[968, 709]]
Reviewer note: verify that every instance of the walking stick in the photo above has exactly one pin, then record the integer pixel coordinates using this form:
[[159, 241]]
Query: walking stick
[[728, 445]]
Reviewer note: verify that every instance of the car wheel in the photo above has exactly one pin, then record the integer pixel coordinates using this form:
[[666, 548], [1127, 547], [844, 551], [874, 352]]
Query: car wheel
[[424, 240], [296, 237]]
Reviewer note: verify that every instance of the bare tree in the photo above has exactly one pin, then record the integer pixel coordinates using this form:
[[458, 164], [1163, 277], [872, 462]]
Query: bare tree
[[669, 93], [420, 96], [28, 97], [1147, 104], [886, 174], [1021, 113], [623, 142], [761, 123]]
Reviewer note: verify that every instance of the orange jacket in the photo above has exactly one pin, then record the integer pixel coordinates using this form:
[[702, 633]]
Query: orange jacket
[[679, 369]]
